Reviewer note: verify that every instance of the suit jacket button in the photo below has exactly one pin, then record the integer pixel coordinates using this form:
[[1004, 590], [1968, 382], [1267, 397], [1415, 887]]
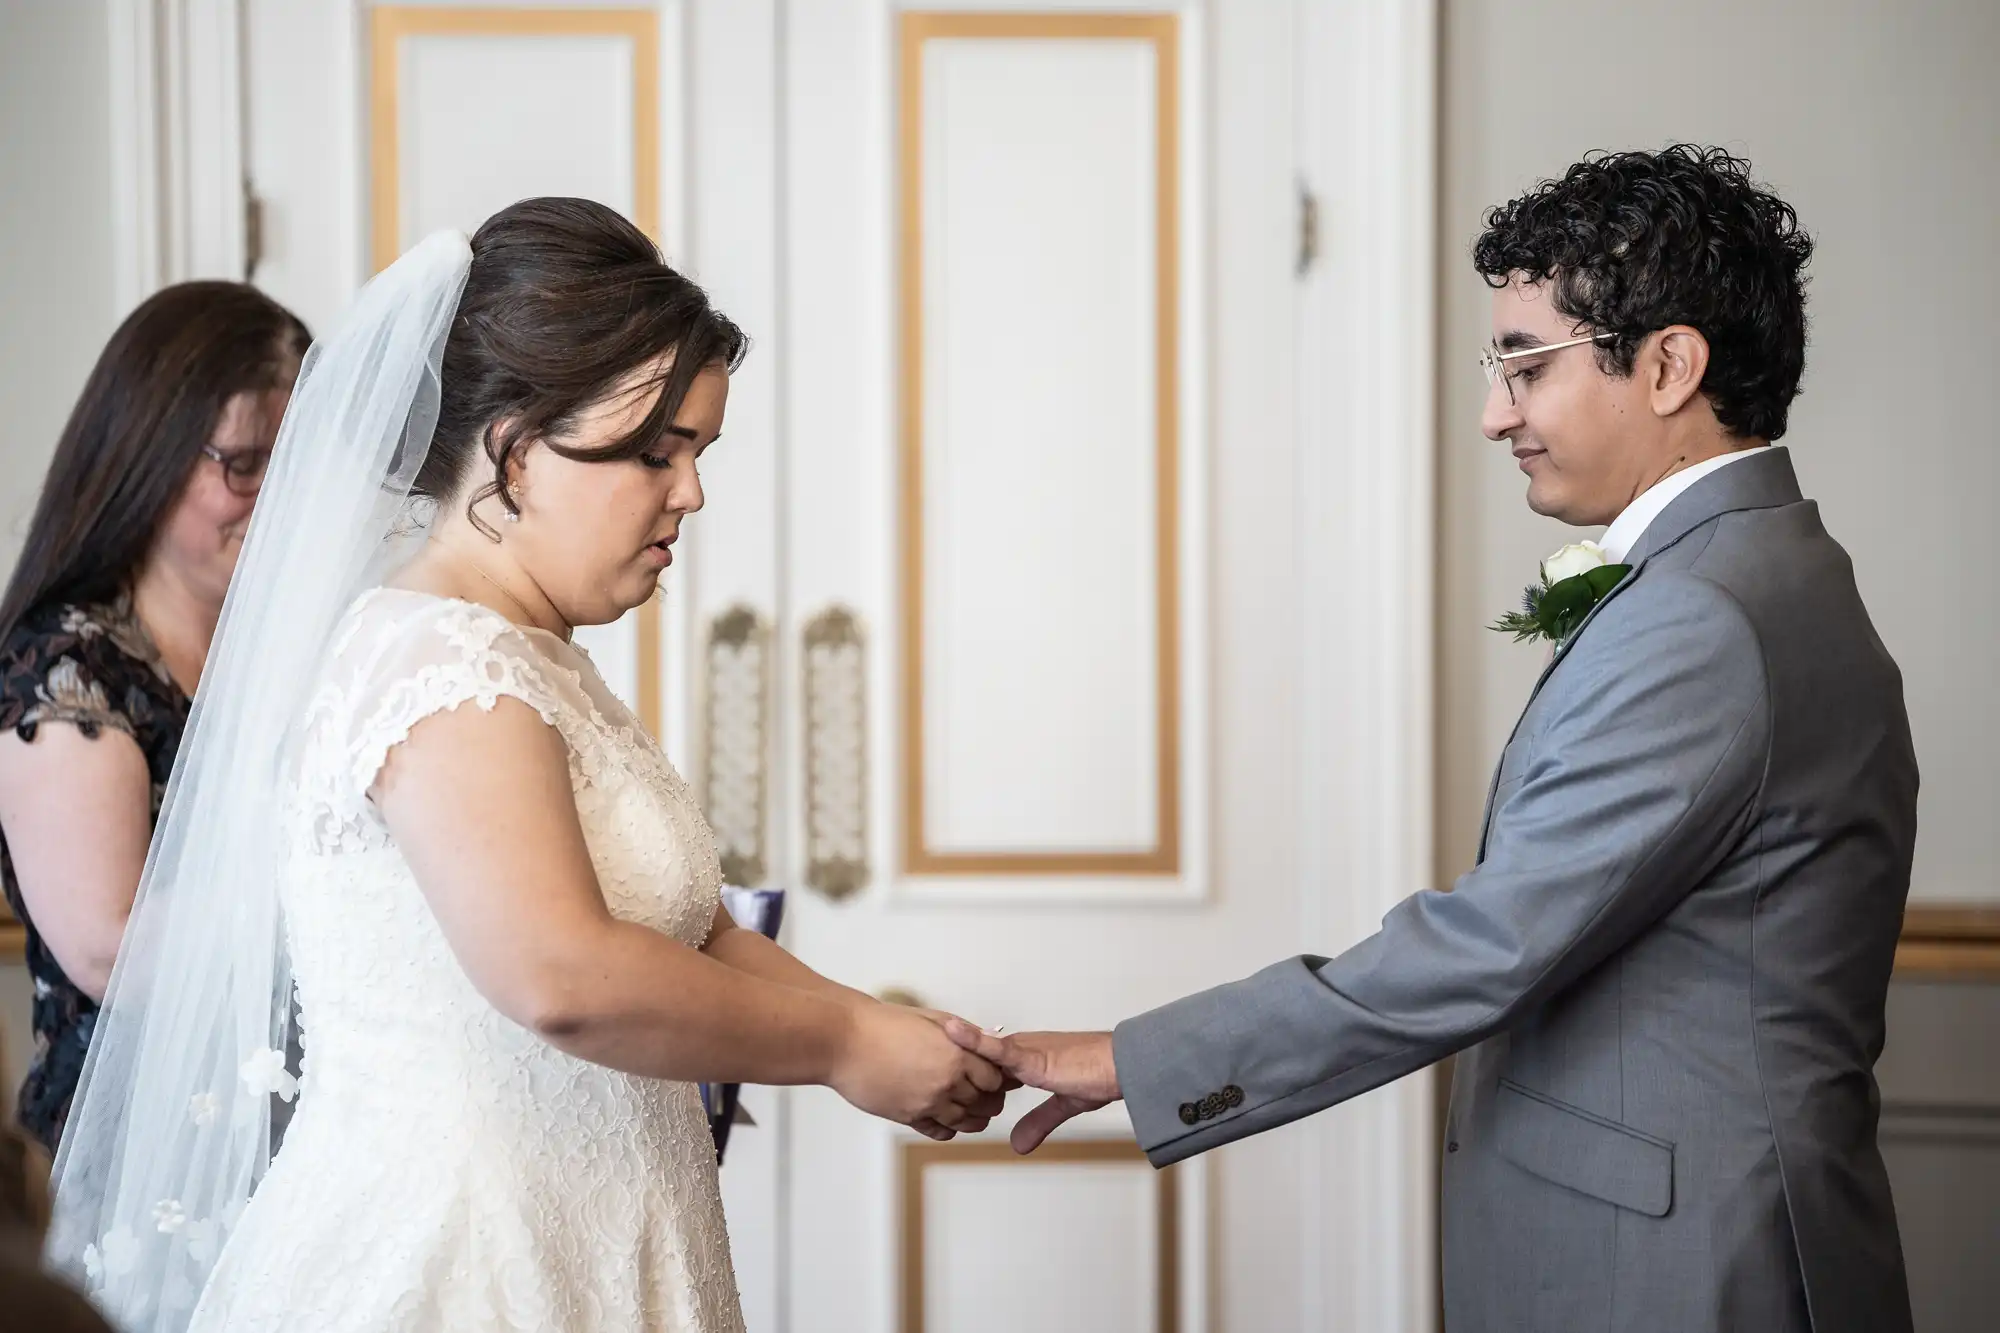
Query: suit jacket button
[[1232, 1097], [1190, 1113], [1452, 1146]]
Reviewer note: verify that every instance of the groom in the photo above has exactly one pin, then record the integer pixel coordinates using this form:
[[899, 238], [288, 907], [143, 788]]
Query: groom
[[1667, 971]]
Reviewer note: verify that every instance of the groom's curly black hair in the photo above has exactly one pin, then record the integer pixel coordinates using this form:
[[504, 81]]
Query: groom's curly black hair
[[1633, 242]]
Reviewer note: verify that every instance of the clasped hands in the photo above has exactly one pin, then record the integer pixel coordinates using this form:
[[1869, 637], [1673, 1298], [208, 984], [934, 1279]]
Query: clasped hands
[[944, 1076]]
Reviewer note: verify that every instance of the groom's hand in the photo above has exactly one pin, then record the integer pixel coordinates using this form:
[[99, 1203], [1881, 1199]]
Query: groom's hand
[[1077, 1067]]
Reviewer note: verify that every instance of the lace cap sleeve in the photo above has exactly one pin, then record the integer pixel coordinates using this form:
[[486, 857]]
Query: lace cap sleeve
[[413, 656]]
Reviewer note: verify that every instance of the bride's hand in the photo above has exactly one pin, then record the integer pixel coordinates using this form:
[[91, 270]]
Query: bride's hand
[[897, 1063], [984, 1114]]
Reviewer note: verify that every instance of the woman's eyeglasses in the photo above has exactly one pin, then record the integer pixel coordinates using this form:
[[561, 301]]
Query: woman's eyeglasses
[[242, 469]]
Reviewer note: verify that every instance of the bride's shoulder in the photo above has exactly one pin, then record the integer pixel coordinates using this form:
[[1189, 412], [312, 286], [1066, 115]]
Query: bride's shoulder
[[396, 637], [399, 655], [386, 623]]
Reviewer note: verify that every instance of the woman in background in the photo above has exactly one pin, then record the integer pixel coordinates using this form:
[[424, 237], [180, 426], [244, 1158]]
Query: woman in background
[[106, 624]]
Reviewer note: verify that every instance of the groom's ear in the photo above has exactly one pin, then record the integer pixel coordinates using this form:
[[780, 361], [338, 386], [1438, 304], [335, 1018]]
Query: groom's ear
[[1672, 362]]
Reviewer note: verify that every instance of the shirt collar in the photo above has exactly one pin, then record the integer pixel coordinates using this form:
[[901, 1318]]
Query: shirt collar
[[1625, 531]]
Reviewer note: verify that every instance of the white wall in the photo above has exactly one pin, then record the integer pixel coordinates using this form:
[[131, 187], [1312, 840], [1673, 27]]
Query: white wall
[[1880, 122], [56, 304], [55, 233]]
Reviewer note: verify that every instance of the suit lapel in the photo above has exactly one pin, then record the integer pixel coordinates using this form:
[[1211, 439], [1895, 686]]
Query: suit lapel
[[1555, 660], [1562, 649], [1764, 482], [1492, 790]]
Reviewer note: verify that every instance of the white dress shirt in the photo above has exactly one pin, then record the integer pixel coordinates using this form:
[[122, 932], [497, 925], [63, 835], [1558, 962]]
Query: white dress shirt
[[1626, 530]]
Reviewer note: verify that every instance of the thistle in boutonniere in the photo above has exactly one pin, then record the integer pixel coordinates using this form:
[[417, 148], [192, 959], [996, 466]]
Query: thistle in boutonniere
[[1574, 579]]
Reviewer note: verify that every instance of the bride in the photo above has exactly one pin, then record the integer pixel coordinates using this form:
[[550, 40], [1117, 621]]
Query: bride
[[408, 792]]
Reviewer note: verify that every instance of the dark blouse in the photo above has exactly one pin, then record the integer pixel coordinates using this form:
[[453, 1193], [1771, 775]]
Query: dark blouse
[[94, 668]]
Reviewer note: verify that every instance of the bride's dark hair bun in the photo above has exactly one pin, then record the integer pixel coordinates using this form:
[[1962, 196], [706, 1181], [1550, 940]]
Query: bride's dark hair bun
[[565, 297]]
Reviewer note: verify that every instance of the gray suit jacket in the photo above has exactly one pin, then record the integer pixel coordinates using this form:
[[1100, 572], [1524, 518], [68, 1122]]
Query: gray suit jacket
[[1669, 964]]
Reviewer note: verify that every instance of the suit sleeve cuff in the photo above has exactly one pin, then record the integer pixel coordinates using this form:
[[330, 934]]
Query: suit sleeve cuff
[[1184, 1069]]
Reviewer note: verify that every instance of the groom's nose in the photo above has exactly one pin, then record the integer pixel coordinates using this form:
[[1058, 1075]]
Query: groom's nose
[[1501, 416]]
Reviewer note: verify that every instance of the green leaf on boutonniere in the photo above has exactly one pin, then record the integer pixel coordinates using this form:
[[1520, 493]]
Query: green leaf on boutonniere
[[1604, 578], [1553, 611], [1567, 600]]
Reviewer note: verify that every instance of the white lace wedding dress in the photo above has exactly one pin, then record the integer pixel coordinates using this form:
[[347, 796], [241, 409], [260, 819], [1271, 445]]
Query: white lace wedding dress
[[446, 1169]]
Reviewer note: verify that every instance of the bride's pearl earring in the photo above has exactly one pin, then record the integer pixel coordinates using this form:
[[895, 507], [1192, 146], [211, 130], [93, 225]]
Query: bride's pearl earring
[[513, 513]]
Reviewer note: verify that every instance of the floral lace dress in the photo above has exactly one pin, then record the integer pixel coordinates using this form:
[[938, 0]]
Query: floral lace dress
[[95, 669], [445, 1168]]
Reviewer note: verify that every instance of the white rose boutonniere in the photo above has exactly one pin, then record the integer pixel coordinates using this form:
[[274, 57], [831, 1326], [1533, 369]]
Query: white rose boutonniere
[[1576, 558], [1574, 580]]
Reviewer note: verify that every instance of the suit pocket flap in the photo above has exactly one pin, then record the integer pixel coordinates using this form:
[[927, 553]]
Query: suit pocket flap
[[1584, 1152]]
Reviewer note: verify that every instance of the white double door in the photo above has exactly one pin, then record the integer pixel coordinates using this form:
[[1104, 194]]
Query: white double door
[[987, 647]]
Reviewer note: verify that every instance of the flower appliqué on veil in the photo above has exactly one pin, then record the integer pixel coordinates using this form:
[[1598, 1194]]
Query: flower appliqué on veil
[[119, 1255], [264, 1074], [169, 1216], [203, 1107], [201, 1239]]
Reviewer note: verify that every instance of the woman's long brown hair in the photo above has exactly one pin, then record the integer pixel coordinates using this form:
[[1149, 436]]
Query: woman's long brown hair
[[136, 435]]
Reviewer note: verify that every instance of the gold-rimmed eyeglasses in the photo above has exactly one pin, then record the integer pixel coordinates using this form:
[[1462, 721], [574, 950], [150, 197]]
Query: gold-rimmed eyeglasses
[[1494, 361]]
